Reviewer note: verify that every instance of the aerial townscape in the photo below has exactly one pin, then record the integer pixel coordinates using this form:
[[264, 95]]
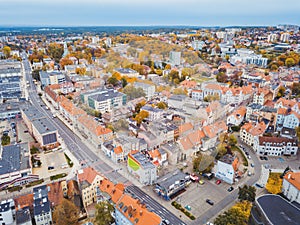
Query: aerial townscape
[[150, 125]]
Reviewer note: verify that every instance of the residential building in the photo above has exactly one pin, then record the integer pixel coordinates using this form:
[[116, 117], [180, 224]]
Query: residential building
[[249, 57], [272, 37], [15, 165], [41, 206], [197, 45], [291, 186], [250, 130], [171, 183], [88, 179], [23, 216], [10, 110], [91, 129], [274, 210], [237, 117], [148, 89], [7, 212], [51, 77], [40, 127], [104, 100], [10, 68], [154, 113], [173, 152], [141, 168], [227, 167], [285, 37], [275, 146], [10, 88], [175, 58], [177, 101], [262, 95], [287, 118], [127, 72]]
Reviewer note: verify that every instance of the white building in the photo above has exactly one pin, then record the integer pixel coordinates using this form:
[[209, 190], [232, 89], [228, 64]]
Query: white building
[[291, 186], [175, 58], [249, 57], [251, 130], [42, 206], [227, 167], [285, 37], [275, 146], [147, 88], [287, 118], [272, 37], [154, 113], [7, 212], [197, 45]]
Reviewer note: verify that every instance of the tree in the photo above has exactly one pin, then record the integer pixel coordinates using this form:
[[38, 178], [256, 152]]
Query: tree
[[162, 105], [5, 140], [66, 213], [230, 217], [139, 106], [55, 51], [289, 62], [133, 93], [124, 82], [113, 81], [281, 91], [65, 61], [232, 141], [80, 70], [103, 213], [6, 51], [179, 91], [141, 116], [247, 193], [296, 89], [274, 183]]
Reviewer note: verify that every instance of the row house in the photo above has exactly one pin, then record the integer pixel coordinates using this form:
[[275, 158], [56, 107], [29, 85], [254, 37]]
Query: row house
[[96, 133], [69, 110], [262, 95], [212, 112], [275, 146], [154, 113], [291, 186], [286, 103], [250, 130]]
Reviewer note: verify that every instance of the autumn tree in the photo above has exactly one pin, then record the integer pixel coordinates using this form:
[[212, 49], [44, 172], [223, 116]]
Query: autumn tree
[[64, 62], [162, 105], [274, 183], [247, 193], [103, 214], [289, 62], [6, 51], [55, 51], [141, 116], [80, 70], [231, 216], [113, 81], [281, 91], [66, 213], [139, 106]]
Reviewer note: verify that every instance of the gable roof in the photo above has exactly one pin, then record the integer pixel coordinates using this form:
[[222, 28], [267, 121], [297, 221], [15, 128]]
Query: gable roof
[[87, 174], [293, 178]]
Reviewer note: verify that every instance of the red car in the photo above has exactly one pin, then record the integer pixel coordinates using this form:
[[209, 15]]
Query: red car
[[218, 182]]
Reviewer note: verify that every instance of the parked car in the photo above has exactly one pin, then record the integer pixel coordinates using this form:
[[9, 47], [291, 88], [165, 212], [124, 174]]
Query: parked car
[[252, 164], [261, 157], [265, 158], [218, 182], [166, 222], [50, 167], [249, 157], [201, 182], [209, 201], [230, 189], [247, 153], [259, 185]]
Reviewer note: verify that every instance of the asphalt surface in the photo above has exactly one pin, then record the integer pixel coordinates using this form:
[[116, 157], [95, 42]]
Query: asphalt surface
[[83, 153]]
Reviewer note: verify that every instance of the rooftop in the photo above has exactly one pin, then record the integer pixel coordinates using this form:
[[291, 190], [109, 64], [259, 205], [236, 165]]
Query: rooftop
[[43, 126], [171, 178], [142, 160], [278, 210], [293, 178], [23, 215]]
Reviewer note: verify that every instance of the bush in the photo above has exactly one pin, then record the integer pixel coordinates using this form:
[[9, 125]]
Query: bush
[[33, 183], [34, 150], [5, 140], [58, 176], [182, 209], [12, 189]]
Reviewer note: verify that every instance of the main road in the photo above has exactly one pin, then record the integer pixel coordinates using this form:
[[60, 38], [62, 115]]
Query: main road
[[82, 152]]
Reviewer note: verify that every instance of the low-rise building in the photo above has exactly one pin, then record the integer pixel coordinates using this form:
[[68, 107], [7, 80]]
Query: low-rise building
[[51, 77], [275, 146], [227, 167], [142, 168], [127, 72], [154, 113], [237, 117], [23, 216], [7, 212], [291, 186], [148, 89], [250, 130], [171, 183]]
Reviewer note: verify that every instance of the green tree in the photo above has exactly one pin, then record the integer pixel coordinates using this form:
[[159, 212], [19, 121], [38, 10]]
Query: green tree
[[5, 140], [66, 213], [6, 51], [55, 51], [124, 82], [103, 213], [247, 193], [232, 140], [113, 81], [133, 93]]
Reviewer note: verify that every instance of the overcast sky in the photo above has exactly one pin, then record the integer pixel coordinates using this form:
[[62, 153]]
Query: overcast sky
[[149, 12]]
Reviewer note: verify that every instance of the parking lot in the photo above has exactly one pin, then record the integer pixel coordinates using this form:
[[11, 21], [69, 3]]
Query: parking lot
[[22, 133], [55, 160], [196, 195]]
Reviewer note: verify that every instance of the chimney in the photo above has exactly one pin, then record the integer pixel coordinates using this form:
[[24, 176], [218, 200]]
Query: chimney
[[289, 176], [141, 212]]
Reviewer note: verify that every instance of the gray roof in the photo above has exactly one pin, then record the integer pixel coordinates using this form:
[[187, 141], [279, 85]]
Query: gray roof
[[106, 95], [44, 75], [278, 210], [125, 70], [4, 207], [151, 109], [143, 160], [170, 178], [142, 85], [14, 158], [41, 203], [172, 147], [32, 113], [43, 126], [228, 159], [178, 97], [23, 215], [255, 106]]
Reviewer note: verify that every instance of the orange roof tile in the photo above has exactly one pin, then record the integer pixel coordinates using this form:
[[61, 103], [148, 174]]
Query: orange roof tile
[[118, 150], [93, 126], [293, 178], [185, 127], [23, 201], [87, 174]]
